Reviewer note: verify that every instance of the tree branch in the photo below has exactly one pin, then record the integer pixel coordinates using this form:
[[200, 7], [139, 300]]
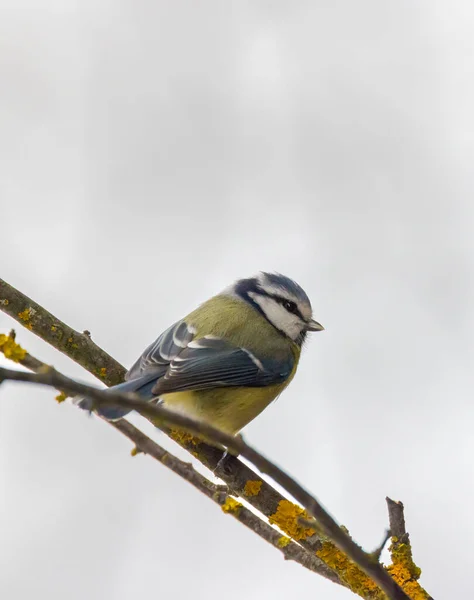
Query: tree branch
[[396, 519], [403, 569], [235, 445], [240, 479], [77, 346], [219, 494], [82, 349]]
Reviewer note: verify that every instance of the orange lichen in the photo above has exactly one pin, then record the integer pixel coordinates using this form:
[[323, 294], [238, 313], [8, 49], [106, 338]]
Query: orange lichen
[[135, 451], [286, 518], [404, 571], [10, 348], [349, 573], [61, 397], [231, 505], [252, 488]]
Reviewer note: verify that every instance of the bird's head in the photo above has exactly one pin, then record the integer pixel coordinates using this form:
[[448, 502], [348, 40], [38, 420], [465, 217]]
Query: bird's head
[[281, 301]]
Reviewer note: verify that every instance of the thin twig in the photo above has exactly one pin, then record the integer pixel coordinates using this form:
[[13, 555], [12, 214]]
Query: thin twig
[[235, 445], [378, 551]]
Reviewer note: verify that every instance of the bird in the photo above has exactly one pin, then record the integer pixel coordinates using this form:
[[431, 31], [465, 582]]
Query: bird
[[227, 360]]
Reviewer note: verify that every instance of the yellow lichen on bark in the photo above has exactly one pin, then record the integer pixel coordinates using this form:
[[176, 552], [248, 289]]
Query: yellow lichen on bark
[[252, 488], [70, 340], [286, 518], [349, 573], [61, 397], [25, 316], [183, 438], [102, 372], [404, 571], [283, 541], [231, 505], [11, 349]]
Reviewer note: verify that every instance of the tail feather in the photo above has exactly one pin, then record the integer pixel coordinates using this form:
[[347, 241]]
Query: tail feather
[[141, 385]]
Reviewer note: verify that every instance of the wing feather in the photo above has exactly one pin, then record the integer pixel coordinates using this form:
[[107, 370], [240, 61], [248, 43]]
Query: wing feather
[[164, 349], [180, 362], [211, 362]]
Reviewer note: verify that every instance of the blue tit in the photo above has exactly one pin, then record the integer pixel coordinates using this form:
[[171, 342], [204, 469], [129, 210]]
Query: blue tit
[[230, 358]]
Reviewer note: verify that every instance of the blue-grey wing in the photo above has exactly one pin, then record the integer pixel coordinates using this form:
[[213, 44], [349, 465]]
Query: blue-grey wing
[[158, 356], [211, 362]]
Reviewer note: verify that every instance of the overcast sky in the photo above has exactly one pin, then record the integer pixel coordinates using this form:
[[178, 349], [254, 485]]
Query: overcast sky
[[153, 152]]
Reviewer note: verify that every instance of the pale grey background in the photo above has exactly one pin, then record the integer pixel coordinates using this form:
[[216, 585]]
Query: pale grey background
[[152, 152]]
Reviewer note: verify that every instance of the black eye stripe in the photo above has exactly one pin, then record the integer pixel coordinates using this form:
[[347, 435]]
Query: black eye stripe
[[293, 308], [245, 287]]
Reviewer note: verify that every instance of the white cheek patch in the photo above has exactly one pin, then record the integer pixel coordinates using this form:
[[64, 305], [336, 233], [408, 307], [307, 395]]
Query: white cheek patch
[[277, 315]]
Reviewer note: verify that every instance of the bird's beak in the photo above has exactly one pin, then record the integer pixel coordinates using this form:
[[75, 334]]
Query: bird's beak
[[313, 325]]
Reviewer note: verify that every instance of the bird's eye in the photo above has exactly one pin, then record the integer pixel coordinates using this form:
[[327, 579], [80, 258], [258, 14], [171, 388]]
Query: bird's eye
[[290, 306]]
